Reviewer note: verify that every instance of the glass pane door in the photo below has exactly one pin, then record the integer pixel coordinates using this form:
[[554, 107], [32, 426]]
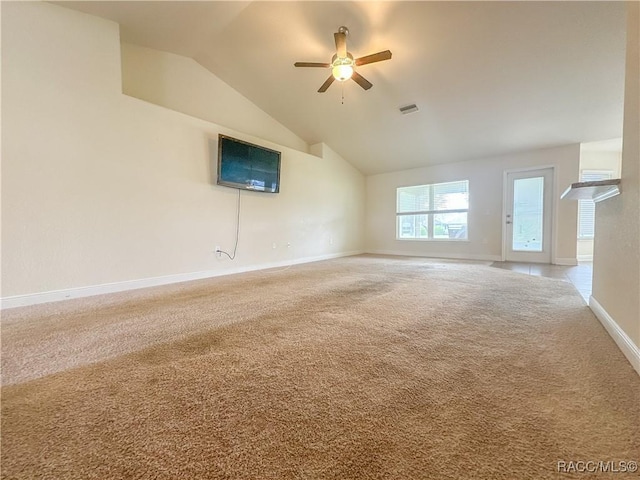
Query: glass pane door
[[528, 214]]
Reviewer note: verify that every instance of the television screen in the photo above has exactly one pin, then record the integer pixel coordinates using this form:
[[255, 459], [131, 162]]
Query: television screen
[[247, 166]]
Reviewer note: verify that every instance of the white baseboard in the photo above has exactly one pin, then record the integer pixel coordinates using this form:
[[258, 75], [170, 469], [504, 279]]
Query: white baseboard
[[630, 349], [88, 291], [566, 261], [585, 258], [453, 256]]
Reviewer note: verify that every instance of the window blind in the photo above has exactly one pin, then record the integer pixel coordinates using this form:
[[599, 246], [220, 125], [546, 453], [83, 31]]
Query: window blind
[[587, 208]]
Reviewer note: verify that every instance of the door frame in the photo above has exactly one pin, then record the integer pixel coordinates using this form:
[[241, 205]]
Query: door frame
[[554, 210]]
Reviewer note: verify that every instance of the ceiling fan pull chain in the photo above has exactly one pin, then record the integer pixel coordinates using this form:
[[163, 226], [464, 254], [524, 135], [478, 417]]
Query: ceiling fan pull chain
[[343, 94]]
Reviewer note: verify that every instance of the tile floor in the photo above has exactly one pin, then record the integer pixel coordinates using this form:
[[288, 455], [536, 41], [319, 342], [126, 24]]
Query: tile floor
[[579, 275]]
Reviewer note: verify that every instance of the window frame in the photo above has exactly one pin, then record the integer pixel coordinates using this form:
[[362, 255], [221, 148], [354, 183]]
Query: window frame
[[431, 214]]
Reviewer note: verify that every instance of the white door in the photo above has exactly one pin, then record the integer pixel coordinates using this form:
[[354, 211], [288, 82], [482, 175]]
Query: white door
[[528, 211]]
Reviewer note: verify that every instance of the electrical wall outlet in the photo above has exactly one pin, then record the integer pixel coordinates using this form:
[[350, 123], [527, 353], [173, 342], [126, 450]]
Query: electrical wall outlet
[[218, 251]]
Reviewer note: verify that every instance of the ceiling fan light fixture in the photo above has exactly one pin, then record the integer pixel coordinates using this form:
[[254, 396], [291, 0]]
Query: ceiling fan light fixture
[[342, 68], [342, 72]]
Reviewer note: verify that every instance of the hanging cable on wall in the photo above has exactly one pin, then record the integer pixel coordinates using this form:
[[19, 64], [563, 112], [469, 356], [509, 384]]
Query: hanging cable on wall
[[235, 247]]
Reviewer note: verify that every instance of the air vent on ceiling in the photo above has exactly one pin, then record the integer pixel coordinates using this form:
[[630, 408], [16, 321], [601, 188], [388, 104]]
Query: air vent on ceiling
[[409, 109]]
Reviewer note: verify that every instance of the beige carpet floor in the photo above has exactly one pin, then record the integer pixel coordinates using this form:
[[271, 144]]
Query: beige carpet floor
[[357, 368]]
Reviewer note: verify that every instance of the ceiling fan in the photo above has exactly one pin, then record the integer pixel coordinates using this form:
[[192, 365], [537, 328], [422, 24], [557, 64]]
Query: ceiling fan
[[343, 64]]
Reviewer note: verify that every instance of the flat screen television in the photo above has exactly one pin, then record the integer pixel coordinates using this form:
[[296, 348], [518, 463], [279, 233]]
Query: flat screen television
[[247, 166]]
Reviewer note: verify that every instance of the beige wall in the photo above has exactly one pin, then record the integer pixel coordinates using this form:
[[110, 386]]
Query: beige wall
[[616, 266], [182, 84], [486, 177], [601, 160], [100, 187]]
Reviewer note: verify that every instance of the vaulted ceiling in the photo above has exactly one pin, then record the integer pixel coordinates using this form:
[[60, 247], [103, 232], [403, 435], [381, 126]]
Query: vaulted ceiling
[[489, 78]]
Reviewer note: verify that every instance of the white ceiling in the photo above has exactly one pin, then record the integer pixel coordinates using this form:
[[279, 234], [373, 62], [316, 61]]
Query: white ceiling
[[489, 78]]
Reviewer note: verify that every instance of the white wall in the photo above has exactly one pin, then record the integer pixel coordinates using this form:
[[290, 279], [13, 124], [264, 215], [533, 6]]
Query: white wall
[[616, 260], [99, 187], [585, 249], [601, 160], [596, 160], [485, 210]]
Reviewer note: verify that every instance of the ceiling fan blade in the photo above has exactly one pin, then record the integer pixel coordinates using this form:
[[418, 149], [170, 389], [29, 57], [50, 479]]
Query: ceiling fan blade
[[341, 44], [326, 84], [375, 57], [360, 80], [311, 64]]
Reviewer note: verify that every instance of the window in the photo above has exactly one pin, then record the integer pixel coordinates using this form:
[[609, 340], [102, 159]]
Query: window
[[432, 212], [586, 208]]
